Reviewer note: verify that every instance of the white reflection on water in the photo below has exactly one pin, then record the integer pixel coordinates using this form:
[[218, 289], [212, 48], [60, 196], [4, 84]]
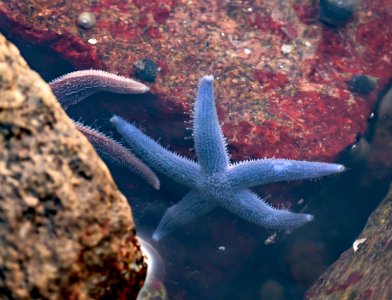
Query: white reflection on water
[[153, 287]]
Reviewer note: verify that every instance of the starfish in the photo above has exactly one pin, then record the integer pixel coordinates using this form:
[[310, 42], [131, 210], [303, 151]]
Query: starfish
[[74, 87], [213, 180]]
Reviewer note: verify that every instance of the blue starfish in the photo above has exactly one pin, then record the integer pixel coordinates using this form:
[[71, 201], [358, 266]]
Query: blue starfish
[[213, 180], [76, 86]]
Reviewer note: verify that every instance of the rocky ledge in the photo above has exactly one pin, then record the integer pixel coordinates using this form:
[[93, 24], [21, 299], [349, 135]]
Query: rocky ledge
[[66, 232]]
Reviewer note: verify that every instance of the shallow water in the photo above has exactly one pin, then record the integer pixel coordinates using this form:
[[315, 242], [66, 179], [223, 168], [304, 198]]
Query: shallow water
[[220, 256]]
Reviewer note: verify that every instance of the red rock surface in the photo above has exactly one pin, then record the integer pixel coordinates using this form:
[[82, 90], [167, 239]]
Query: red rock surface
[[364, 273], [295, 105]]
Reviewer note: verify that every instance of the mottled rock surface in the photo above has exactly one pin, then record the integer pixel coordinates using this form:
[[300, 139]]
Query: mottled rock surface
[[66, 232], [282, 76], [366, 272], [283, 87]]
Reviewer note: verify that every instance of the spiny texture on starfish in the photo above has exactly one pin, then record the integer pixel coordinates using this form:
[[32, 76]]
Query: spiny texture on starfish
[[111, 150], [76, 86], [213, 180], [73, 87]]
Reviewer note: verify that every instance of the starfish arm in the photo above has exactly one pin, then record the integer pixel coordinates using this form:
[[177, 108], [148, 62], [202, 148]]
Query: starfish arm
[[210, 144], [251, 208], [74, 87], [180, 169], [257, 172], [116, 153], [189, 208]]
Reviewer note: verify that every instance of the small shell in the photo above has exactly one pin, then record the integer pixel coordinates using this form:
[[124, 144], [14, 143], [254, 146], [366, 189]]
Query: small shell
[[86, 20], [336, 12], [362, 84], [145, 69]]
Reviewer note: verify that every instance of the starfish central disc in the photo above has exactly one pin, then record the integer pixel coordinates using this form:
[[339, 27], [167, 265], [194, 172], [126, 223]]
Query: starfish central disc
[[213, 180]]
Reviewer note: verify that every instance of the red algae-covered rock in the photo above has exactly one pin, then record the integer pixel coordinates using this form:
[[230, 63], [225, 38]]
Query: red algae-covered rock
[[282, 76], [364, 271], [66, 232]]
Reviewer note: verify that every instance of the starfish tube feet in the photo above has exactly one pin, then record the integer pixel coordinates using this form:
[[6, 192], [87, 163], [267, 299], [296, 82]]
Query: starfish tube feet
[[210, 144], [74, 87], [189, 208], [262, 171], [116, 153], [178, 168]]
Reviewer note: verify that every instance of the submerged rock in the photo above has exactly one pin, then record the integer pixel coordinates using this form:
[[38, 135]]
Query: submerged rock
[[66, 232], [281, 77], [363, 271]]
